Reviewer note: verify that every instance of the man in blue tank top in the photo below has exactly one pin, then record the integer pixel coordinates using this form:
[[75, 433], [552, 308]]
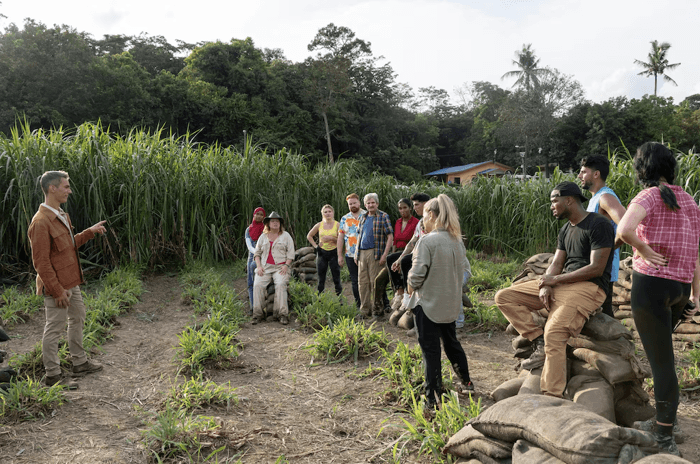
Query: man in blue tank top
[[594, 172]]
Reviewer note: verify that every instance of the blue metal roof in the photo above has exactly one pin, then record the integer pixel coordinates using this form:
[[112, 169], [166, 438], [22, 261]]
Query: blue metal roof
[[443, 171]]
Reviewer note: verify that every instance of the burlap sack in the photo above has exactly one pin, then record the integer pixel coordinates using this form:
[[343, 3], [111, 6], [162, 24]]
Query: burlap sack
[[614, 368], [688, 328], [628, 411], [603, 327], [467, 441], [509, 387], [692, 338], [662, 459], [303, 252], [593, 393], [306, 258], [520, 342], [395, 316], [579, 367], [406, 321], [531, 384], [525, 452], [564, 429]]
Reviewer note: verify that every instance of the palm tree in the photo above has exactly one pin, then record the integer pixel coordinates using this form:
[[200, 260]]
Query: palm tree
[[658, 63], [528, 75]]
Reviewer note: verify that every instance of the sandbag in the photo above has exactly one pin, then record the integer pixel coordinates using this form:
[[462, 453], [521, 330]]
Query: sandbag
[[509, 387], [564, 429], [303, 252], [510, 330], [466, 302], [621, 346], [395, 316], [520, 342], [525, 452], [594, 393], [603, 327], [306, 258], [662, 459], [524, 352], [531, 384], [406, 321], [692, 338], [467, 441], [628, 411], [579, 367], [622, 314], [540, 258], [614, 368], [688, 328]]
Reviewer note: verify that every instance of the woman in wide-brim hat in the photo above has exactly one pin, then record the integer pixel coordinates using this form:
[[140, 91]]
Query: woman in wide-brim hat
[[274, 253]]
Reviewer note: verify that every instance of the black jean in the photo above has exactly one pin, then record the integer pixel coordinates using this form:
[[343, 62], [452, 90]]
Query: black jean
[[324, 260], [399, 279], [429, 335], [352, 267], [656, 305]]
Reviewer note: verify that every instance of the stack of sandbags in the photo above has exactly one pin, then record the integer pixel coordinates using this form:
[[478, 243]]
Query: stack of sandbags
[[304, 265], [404, 319], [604, 374], [535, 429]]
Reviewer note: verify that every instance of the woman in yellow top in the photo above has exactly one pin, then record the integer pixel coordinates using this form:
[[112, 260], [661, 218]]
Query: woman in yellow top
[[326, 255]]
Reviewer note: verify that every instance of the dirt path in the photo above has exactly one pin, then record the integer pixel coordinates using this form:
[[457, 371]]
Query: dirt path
[[288, 407]]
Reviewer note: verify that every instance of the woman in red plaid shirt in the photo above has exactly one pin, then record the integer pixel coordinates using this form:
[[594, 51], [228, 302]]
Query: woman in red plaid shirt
[[662, 224]]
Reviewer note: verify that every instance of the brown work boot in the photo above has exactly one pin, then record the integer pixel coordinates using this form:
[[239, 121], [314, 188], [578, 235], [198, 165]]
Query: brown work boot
[[284, 320], [87, 367], [536, 359], [58, 379]]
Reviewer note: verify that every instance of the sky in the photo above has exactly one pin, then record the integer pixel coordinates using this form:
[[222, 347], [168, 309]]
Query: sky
[[440, 43]]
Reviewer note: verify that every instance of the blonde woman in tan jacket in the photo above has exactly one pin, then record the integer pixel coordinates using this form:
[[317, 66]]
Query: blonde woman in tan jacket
[[435, 285]]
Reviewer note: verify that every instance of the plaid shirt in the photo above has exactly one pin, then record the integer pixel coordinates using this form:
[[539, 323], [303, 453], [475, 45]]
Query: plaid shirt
[[672, 234], [381, 228]]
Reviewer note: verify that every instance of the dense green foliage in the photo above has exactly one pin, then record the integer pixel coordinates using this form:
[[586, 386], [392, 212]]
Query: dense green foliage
[[166, 197], [343, 102]]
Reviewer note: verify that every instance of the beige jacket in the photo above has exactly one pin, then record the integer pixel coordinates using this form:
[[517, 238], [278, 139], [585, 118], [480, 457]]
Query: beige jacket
[[439, 263], [282, 249]]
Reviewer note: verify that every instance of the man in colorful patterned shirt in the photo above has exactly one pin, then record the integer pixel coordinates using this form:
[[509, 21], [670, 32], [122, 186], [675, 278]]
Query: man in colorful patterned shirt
[[594, 172], [374, 241], [347, 235]]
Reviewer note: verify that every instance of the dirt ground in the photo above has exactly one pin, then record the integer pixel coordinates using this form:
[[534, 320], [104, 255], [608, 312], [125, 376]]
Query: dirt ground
[[288, 407]]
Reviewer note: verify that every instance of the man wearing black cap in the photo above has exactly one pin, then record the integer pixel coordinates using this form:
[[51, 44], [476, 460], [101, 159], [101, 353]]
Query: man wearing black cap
[[573, 287]]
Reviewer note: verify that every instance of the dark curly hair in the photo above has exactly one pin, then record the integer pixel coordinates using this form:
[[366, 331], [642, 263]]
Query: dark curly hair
[[653, 162]]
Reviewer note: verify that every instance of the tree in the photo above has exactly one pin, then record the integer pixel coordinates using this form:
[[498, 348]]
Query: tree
[[529, 74], [658, 63]]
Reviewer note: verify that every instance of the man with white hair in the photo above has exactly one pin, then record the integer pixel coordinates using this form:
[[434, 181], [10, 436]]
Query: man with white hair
[[375, 238]]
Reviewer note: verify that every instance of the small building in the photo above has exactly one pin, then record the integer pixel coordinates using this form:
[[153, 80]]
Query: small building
[[464, 174]]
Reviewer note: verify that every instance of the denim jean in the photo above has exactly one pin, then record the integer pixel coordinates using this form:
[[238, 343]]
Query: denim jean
[[324, 260]]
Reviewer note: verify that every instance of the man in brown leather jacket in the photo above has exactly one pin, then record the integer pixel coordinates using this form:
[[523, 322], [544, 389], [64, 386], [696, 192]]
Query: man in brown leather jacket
[[56, 260]]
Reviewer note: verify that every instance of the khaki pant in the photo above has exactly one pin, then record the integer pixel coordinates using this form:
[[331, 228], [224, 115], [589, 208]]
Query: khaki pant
[[271, 273], [55, 327], [367, 270], [572, 306]]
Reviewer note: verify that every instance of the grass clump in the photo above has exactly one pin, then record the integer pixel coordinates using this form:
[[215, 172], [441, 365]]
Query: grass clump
[[176, 435], [346, 339], [324, 310], [211, 344], [28, 399], [403, 369], [431, 430], [17, 306], [483, 317], [197, 393], [491, 272]]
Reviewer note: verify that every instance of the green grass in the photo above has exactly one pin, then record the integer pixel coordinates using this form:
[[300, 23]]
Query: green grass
[[347, 339], [17, 306], [198, 393], [27, 399]]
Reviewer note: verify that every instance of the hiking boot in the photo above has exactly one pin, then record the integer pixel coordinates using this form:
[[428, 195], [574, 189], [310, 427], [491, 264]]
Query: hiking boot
[[256, 320], [284, 320], [664, 438], [650, 426], [87, 367], [536, 359], [413, 333], [58, 379]]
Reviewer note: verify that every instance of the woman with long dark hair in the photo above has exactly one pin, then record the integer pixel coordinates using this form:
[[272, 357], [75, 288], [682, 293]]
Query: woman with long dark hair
[[662, 223]]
